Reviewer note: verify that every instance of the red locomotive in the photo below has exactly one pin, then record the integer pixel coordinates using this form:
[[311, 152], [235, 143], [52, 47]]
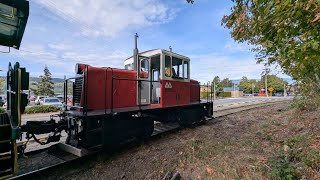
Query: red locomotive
[[109, 106], [113, 105]]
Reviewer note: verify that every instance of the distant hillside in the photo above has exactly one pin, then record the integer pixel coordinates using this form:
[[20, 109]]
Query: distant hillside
[[54, 80], [58, 84]]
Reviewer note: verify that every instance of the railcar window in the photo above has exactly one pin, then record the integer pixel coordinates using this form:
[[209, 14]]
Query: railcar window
[[177, 68], [144, 68], [167, 70], [185, 69]]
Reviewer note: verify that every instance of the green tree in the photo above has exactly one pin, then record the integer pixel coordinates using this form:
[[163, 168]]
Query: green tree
[[45, 86], [226, 82], [247, 85], [275, 82], [2, 85], [282, 32]]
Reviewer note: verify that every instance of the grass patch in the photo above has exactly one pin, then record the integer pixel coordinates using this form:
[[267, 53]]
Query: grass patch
[[293, 160]]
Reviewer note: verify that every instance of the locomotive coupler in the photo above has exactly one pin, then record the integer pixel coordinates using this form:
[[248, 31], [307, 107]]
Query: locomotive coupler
[[31, 128]]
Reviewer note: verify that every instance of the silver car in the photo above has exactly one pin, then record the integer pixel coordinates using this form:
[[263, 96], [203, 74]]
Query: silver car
[[51, 101]]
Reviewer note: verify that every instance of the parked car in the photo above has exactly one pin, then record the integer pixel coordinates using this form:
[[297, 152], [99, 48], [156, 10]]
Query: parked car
[[39, 99], [51, 101], [60, 97]]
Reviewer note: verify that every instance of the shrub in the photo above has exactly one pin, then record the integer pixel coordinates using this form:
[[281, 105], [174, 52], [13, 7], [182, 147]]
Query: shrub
[[2, 110], [42, 109], [308, 103], [226, 94]]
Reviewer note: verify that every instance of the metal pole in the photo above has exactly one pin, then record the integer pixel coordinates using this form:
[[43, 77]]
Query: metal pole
[[234, 91], [284, 90], [266, 81], [137, 66], [252, 89]]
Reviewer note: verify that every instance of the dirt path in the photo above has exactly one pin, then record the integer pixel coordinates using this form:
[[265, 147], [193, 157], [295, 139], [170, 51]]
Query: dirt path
[[239, 146]]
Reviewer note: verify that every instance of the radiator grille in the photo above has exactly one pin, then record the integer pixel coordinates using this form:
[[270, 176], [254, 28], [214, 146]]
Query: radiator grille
[[77, 90]]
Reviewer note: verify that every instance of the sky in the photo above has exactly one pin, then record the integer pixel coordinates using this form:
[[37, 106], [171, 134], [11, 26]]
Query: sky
[[61, 33]]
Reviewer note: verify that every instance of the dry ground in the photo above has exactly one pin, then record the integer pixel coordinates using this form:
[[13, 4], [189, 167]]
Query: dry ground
[[266, 143]]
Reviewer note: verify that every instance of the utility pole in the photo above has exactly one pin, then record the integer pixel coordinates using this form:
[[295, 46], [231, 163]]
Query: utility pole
[[284, 90], [265, 80], [234, 90], [253, 89]]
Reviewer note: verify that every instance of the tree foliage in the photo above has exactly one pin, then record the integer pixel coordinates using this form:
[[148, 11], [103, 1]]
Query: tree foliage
[[45, 85], [275, 82], [272, 80], [221, 84], [283, 32], [248, 84], [2, 85]]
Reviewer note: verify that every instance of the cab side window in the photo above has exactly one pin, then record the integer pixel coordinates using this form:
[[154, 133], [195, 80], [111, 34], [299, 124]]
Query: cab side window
[[144, 71], [177, 71], [185, 69], [167, 69]]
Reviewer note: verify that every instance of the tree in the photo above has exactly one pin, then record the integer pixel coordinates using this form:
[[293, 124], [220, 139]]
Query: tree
[[275, 82], [225, 83], [45, 85], [283, 32], [2, 85], [247, 84]]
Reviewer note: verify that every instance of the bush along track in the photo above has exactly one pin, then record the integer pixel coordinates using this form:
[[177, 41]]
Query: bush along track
[[41, 109]]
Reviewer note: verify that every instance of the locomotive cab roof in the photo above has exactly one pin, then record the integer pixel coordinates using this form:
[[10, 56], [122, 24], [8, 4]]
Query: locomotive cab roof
[[153, 52], [171, 66]]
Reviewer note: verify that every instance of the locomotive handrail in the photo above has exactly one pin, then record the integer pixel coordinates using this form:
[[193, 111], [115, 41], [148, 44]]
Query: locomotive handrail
[[134, 79], [65, 98]]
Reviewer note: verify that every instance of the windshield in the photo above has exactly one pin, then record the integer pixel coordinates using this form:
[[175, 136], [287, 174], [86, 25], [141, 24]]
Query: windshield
[[51, 100]]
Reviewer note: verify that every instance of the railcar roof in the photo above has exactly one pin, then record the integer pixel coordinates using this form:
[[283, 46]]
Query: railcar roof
[[163, 50]]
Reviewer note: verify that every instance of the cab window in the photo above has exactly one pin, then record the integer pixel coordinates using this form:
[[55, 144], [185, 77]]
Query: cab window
[[144, 71], [177, 71], [185, 69], [167, 70]]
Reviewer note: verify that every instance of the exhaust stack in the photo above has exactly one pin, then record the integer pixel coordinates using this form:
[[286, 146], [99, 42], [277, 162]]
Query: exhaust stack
[[135, 53]]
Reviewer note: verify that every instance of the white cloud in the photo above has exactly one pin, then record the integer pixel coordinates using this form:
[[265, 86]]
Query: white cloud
[[63, 58], [234, 47], [59, 46], [204, 67], [108, 18]]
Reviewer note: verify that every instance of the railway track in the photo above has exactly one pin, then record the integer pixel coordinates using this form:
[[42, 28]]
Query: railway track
[[39, 163]]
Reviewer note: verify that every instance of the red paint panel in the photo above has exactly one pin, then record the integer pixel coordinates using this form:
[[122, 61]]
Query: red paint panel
[[99, 88], [194, 91], [178, 94]]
